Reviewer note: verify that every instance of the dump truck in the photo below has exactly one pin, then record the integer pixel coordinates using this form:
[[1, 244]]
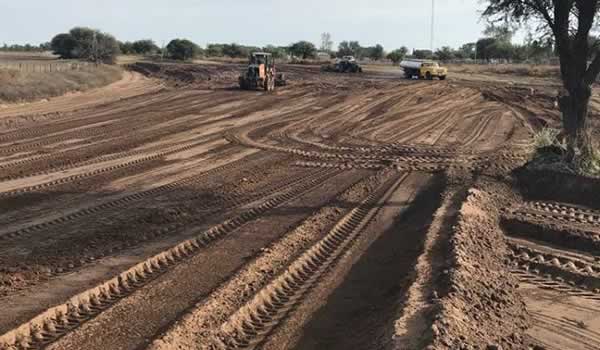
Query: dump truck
[[423, 69], [346, 64], [261, 73]]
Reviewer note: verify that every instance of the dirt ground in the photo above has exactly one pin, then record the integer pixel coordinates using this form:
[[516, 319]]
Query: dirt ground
[[171, 210]]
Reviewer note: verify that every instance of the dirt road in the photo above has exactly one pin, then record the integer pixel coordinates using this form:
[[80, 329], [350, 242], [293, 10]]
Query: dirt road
[[181, 212]]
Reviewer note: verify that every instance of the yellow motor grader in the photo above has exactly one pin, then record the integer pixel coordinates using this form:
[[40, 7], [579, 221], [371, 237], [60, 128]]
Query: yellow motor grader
[[261, 73]]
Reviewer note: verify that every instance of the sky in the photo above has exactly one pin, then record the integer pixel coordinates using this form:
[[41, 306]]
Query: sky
[[391, 23]]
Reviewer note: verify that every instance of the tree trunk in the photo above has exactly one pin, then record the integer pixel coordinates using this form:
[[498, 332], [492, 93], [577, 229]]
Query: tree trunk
[[574, 104]]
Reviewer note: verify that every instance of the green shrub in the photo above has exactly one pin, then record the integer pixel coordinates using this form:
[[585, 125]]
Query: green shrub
[[86, 44], [182, 49]]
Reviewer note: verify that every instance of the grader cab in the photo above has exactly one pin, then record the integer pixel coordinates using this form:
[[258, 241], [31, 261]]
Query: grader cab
[[261, 73]]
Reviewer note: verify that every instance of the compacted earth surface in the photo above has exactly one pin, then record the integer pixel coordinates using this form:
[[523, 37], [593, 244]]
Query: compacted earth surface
[[172, 210]]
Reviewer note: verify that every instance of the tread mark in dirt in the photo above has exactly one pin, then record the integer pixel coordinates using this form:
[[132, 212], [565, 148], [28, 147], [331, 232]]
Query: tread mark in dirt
[[252, 323], [58, 321]]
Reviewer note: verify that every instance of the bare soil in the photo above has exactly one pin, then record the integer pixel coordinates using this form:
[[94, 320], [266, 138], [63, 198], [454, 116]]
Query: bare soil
[[171, 210]]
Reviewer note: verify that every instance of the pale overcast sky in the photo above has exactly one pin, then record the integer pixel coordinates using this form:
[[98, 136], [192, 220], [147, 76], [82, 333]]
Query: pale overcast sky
[[392, 23]]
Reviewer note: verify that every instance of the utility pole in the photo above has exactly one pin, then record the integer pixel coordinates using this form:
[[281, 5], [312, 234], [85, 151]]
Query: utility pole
[[432, 25]]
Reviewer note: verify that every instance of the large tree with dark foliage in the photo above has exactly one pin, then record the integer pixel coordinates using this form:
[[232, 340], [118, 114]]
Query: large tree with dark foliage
[[303, 49], [87, 44], [182, 49], [569, 22], [63, 45]]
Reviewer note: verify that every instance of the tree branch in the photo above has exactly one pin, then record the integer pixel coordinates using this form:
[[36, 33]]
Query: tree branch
[[543, 10]]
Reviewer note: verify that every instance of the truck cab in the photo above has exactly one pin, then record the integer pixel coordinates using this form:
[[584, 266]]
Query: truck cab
[[429, 70], [423, 69]]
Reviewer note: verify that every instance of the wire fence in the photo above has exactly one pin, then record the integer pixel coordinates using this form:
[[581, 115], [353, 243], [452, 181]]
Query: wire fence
[[48, 67]]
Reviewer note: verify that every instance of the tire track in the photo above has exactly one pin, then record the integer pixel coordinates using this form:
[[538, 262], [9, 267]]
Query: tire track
[[560, 212], [145, 109], [228, 203], [98, 172], [550, 261], [59, 320], [568, 330], [549, 283], [251, 324], [129, 199], [75, 163]]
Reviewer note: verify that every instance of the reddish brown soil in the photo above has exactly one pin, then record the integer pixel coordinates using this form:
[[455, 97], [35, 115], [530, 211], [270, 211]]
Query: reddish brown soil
[[341, 211]]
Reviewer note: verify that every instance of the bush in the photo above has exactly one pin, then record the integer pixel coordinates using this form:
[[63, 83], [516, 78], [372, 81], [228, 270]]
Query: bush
[[548, 137], [182, 49], [277, 52], [303, 49], [397, 55], [214, 50], [63, 45], [235, 51], [144, 47], [86, 44], [126, 48]]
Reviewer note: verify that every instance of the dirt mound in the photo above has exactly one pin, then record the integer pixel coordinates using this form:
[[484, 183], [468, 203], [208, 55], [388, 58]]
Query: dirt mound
[[534, 185], [482, 308], [181, 74]]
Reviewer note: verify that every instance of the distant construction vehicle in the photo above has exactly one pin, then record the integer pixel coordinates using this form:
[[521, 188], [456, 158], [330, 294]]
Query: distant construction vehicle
[[261, 73], [346, 64], [423, 69]]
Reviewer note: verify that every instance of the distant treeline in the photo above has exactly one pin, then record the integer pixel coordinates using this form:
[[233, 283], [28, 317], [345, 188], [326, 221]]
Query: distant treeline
[[94, 45], [25, 48]]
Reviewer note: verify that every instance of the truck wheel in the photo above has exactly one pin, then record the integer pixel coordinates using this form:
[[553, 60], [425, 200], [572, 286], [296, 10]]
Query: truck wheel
[[428, 76], [442, 77]]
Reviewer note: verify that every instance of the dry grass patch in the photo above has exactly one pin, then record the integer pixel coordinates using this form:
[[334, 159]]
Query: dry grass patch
[[526, 70], [16, 86]]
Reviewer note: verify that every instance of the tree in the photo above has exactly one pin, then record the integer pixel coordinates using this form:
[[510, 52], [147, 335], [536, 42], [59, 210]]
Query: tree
[[492, 48], [445, 53], [344, 49], [326, 42], [182, 49], [234, 50], [126, 48], [303, 49], [501, 32], [86, 43], [570, 23], [45, 46], [144, 47], [397, 55], [214, 50], [422, 54], [63, 45], [106, 49], [277, 52], [375, 52], [350, 48], [466, 51]]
